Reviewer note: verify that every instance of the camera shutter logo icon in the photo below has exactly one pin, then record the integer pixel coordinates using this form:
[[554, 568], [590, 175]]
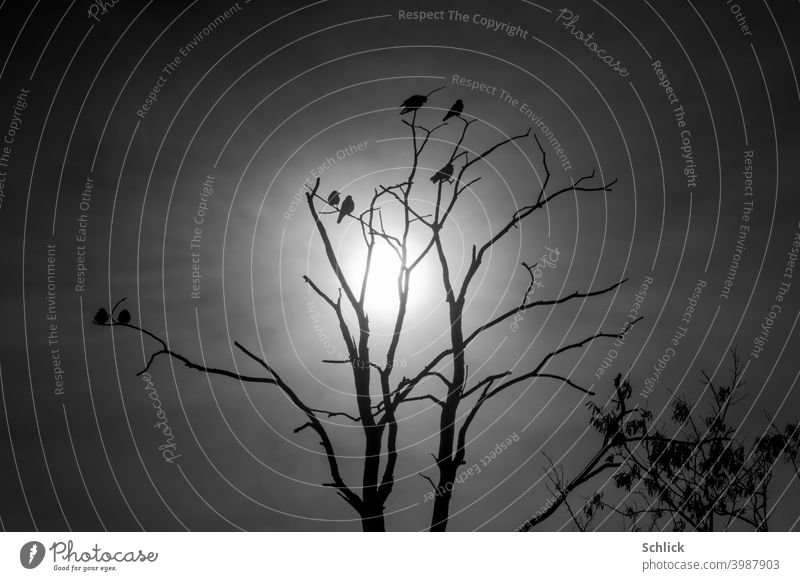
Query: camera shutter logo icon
[[31, 554]]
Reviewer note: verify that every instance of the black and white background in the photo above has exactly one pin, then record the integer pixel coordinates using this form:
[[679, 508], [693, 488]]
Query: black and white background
[[160, 151]]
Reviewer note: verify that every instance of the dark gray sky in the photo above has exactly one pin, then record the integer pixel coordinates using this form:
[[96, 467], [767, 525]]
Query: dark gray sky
[[262, 101]]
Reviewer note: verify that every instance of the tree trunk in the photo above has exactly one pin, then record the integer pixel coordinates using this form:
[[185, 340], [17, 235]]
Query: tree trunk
[[372, 510], [441, 503], [372, 520], [448, 465], [372, 514]]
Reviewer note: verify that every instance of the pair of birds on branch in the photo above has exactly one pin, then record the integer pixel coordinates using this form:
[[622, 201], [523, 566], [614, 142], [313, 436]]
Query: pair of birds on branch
[[347, 207], [102, 317], [414, 102]]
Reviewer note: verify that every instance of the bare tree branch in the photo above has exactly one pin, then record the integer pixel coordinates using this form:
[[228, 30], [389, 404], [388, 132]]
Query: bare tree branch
[[317, 426], [274, 379]]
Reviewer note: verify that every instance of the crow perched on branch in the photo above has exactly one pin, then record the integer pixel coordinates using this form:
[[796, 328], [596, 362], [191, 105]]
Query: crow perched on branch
[[347, 208], [455, 110], [124, 317], [101, 317], [414, 102], [443, 174]]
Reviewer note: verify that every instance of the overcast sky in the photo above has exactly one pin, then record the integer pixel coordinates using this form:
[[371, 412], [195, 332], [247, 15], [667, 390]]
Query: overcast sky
[[150, 103]]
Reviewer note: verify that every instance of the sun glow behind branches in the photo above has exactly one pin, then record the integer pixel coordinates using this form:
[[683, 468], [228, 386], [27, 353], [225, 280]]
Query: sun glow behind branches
[[381, 299]]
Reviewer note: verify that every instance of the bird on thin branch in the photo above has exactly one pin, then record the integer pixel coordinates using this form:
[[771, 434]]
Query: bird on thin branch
[[414, 102], [455, 110], [347, 208], [333, 198], [444, 174], [101, 317]]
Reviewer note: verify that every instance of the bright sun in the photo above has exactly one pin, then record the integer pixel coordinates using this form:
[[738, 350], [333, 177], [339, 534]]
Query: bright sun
[[381, 298]]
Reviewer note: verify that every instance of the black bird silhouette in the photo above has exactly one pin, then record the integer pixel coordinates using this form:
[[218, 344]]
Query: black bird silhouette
[[347, 208], [443, 174], [414, 102], [124, 317], [333, 198], [455, 110], [101, 317]]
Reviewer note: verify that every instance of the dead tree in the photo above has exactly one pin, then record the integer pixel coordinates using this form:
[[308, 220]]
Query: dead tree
[[379, 394], [452, 447], [704, 476]]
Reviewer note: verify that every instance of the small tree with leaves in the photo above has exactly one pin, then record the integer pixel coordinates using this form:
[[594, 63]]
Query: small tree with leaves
[[379, 393], [696, 472]]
